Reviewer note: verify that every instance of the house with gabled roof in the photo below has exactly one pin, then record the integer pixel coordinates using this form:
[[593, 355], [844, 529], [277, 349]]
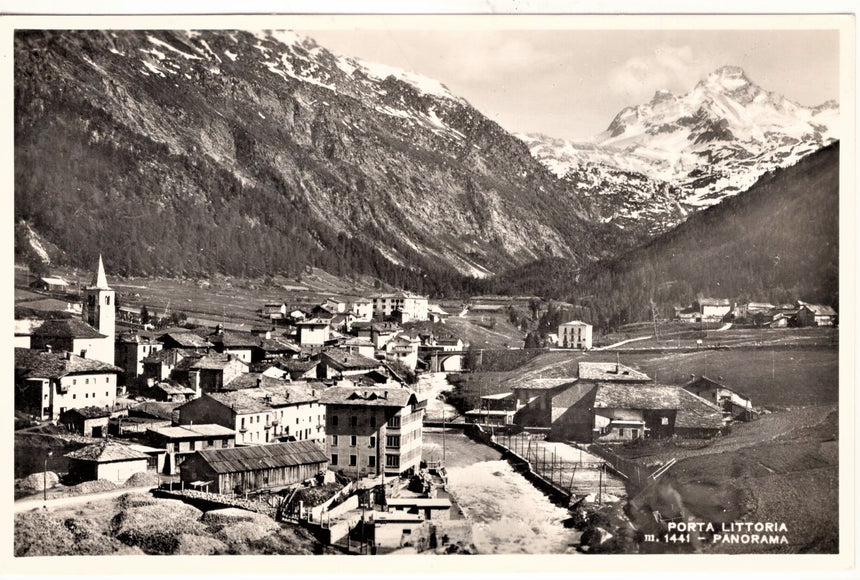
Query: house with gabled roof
[[210, 373], [106, 460], [628, 412], [240, 344], [48, 383], [88, 421], [335, 363], [313, 332], [735, 405], [250, 418], [815, 315]]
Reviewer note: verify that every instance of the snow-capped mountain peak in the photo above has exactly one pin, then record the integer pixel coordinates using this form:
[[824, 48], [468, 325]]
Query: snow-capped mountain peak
[[712, 142]]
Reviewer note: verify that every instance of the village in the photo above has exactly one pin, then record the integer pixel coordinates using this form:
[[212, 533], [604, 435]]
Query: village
[[335, 418]]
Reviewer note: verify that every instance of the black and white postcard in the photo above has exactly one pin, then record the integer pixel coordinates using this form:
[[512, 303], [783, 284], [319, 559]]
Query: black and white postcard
[[435, 287]]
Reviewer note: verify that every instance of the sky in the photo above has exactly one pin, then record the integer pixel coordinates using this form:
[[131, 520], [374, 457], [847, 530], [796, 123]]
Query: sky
[[572, 83]]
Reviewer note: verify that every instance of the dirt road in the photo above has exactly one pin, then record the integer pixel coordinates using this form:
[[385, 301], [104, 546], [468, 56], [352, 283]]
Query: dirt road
[[64, 502]]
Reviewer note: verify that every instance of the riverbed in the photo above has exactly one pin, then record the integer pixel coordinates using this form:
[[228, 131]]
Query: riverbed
[[509, 515]]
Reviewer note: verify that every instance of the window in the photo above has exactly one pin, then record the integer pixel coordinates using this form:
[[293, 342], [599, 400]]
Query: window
[[372, 442], [664, 420], [243, 422], [74, 381], [353, 460], [107, 380], [334, 439], [353, 440], [394, 422], [392, 460], [191, 445], [334, 420], [371, 461], [73, 396], [86, 395], [297, 420], [107, 300], [353, 421], [373, 422], [334, 458], [392, 441], [86, 381], [107, 394], [621, 432]]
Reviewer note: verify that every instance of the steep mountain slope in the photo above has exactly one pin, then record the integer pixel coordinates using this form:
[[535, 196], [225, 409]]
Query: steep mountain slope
[[664, 159], [778, 242], [249, 153]]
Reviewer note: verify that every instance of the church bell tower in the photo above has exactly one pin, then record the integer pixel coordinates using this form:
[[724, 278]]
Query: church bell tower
[[99, 309]]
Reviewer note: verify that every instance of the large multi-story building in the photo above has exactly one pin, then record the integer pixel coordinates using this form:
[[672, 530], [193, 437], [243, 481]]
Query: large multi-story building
[[410, 307], [372, 431]]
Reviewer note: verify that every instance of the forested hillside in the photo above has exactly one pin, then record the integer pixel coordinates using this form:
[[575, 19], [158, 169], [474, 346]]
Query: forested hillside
[[777, 242]]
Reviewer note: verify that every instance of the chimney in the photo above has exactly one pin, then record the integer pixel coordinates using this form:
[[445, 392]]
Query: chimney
[[83, 353], [68, 355], [259, 381]]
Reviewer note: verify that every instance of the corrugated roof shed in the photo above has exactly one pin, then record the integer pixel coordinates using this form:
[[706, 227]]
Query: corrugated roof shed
[[106, 452], [257, 457]]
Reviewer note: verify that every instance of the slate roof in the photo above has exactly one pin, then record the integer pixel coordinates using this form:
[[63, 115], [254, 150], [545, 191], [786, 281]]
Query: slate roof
[[106, 452], [174, 389], [186, 339], [39, 364], [701, 383], [214, 362], [609, 371], [200, 431], [693, 412], [258, 457], [368, 397], [343, 360], [90, 412], [158, 409], [66, 328], [574, 323], [241, 403], [165, 355], [232, 339], [278, 345], [545, 384]]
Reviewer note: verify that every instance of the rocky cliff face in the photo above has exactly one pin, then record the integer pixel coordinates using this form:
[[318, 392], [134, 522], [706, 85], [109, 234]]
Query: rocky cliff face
[[186, 152], [659, 161]]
